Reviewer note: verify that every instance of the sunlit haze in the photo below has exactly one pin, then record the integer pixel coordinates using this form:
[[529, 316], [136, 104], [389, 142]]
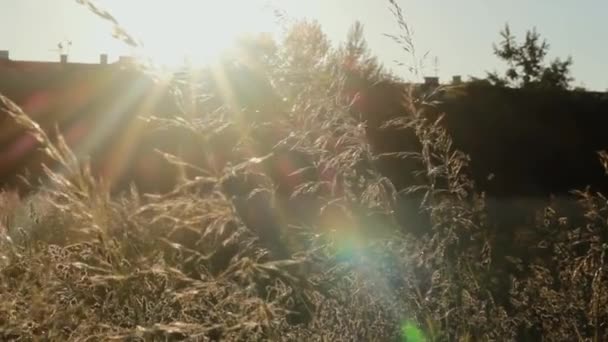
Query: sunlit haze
[[459, 34], [192, 29]]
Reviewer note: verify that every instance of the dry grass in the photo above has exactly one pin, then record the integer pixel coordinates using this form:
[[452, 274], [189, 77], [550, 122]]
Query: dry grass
[[327, 260]]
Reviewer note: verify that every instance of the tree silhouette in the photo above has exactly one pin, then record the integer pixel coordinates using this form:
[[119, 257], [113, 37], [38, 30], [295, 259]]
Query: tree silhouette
[[305, 47], [354, 61], [357, 56], [525, 62]]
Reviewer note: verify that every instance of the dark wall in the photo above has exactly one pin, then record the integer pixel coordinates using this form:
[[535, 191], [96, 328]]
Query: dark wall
[[535, 142], [522, 143], [532, 142], [97, 110]]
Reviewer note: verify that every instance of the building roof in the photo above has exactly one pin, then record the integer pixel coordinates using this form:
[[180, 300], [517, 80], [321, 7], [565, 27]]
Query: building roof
[[7, 64], [36, 66]]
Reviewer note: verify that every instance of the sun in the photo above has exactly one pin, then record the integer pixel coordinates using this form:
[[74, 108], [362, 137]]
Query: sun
[[197, 30]]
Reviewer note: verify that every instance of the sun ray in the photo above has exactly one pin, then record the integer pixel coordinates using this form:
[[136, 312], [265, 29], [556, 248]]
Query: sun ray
[[125, 142], [199, 31]]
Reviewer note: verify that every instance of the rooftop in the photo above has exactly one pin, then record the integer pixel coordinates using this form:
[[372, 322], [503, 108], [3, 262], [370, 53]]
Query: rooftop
[[35, 66]]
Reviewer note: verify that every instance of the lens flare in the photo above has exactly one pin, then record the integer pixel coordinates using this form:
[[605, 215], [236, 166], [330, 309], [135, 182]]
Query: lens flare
[[411, 333]]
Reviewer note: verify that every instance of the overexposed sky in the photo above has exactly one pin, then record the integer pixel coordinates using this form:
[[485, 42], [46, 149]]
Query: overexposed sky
[[459, 33]]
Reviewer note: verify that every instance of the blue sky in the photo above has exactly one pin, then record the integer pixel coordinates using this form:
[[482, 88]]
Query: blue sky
[[459, 33]]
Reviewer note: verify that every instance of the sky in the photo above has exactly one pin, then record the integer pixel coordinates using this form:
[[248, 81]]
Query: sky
[[459, 34]]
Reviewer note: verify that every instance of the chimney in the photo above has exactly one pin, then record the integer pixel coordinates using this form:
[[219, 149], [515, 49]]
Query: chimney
[[64, 58], [432, 81], [125, 60], [457, 79], [103, 59], [4, 55]]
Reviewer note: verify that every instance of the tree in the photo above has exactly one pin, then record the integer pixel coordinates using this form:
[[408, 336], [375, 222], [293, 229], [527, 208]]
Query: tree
[[307, 52], [354, 62], [525, 62], [357, 57], [305, 46]]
